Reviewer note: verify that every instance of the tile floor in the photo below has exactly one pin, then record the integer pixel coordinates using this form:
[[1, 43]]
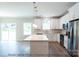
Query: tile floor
[[22, 49]]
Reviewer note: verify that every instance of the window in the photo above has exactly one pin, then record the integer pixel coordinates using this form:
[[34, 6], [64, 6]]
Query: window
[[46, 24], [27, 28], [8, 31]]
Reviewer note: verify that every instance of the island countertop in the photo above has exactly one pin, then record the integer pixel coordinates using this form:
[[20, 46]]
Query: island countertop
[[36, 38]]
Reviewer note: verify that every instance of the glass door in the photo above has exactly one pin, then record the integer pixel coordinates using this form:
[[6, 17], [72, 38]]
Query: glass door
[[8, 31]]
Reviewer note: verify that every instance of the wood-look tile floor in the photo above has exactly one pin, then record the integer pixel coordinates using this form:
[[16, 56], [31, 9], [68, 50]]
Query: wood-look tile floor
[[13, 48], [23, 49], [56, 50]]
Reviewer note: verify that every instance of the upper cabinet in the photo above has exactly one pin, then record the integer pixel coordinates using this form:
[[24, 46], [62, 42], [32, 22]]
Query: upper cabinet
[[38, 24], [74, 11], [45, 24], [55, 24]]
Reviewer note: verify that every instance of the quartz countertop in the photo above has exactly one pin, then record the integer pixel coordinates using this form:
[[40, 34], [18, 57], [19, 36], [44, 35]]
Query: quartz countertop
[[36, 38]]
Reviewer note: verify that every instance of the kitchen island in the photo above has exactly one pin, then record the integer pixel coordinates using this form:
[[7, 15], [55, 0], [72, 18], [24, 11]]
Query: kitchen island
[[38, 45]]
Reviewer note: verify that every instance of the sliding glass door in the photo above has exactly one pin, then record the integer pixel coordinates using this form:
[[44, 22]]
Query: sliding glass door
[[8, 31]]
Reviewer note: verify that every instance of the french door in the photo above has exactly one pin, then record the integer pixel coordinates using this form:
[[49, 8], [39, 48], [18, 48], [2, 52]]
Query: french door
[[8, 31]]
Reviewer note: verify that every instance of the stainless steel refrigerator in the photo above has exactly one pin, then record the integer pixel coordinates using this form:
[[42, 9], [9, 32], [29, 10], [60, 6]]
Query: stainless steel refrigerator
[[73, 37]]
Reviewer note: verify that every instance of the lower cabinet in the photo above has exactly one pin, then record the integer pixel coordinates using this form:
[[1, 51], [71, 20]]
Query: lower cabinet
[[66, 42]]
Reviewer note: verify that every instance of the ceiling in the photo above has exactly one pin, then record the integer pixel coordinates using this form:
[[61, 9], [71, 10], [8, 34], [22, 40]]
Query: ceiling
[[25, 9]]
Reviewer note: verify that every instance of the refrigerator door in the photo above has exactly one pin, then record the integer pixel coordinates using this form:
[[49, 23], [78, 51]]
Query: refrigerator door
[[77, 39], [70, 40], [73, 40]]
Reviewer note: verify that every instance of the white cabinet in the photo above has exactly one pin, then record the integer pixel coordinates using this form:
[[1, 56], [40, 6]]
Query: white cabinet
[[55, 24], [74, 11], [38, 23], [66, 42]]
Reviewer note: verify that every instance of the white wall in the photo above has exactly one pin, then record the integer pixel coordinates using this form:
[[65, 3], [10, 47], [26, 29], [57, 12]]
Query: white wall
[[19, 23]]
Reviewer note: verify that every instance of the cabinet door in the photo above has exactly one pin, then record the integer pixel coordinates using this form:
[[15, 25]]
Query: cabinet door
[[78, 38], [76, 11], [66, 42], [38, 22], [55, 24], [52, 24]]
